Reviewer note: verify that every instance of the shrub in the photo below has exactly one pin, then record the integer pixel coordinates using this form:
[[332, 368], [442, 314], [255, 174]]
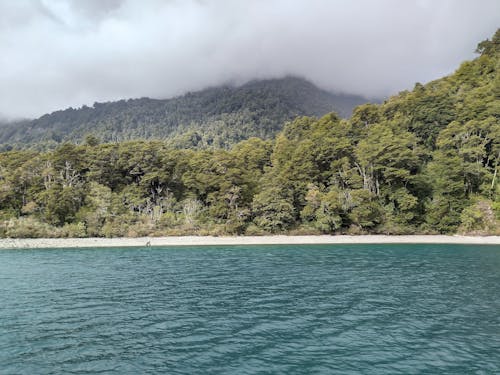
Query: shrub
[[479, 218], [254, 230], [73, 230], [28, 227]]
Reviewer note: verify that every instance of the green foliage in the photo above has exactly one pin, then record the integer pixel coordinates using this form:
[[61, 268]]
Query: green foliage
[[213, 118], [323, 210], [273, 212], [27, 228], [480, 218], [73, 230], [425, 161], [365, 212], [490, 47]]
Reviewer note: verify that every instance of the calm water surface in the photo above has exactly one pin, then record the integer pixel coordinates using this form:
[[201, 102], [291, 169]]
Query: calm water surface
[[342, 309]]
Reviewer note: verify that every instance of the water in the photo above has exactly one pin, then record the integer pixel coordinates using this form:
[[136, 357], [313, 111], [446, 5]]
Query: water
[[343, 309]]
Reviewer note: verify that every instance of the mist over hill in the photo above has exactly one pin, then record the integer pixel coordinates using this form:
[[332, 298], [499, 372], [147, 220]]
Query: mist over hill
[[214, 117], [425, 161]]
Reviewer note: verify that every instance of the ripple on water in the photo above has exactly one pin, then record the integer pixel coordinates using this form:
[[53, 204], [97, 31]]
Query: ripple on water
[[248, 310]]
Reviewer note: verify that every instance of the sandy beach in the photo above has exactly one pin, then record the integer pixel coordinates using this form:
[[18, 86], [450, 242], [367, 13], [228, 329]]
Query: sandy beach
[[28, 243]]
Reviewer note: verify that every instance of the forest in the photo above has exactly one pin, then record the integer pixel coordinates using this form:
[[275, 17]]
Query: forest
[[424, 161], [217, 117]]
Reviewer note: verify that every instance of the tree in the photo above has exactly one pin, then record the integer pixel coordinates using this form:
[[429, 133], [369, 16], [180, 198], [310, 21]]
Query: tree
[[273, 212]]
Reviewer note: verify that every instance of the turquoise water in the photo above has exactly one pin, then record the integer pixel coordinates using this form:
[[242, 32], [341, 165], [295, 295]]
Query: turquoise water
[[342, 309]]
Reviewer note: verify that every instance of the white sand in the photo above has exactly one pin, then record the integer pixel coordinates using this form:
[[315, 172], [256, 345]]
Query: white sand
[[242, 240]]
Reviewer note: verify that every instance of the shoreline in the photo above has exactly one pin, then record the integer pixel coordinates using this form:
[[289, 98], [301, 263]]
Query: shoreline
[[40, 243]]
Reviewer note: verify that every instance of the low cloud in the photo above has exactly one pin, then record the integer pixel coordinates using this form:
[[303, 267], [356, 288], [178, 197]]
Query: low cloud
[[60, 53]]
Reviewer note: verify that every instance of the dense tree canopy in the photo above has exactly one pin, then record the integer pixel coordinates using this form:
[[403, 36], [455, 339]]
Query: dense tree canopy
[[424, 161], [216, 117]]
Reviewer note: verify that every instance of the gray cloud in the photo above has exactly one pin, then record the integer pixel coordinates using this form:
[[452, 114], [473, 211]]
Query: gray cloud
[[60, 53]]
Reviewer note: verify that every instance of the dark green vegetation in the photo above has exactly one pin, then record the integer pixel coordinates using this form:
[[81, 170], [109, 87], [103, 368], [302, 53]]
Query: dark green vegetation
[[425, 161], [215, 117]]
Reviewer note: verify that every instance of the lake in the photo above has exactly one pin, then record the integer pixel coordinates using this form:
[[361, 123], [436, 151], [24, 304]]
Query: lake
[[315, 309]]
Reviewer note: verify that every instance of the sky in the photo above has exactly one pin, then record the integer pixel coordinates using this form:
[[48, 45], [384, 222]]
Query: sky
[[60, 53]]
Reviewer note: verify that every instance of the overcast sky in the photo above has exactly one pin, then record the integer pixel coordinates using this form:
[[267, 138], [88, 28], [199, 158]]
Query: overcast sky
[[60, 53]]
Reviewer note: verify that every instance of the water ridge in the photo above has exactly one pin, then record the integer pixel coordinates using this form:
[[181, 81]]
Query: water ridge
[[315, 309]]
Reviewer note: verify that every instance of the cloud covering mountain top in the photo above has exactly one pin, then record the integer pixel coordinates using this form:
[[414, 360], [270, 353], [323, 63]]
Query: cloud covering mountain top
[[60, 53]]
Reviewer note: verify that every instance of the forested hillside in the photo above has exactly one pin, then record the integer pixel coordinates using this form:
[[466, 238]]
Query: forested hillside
[[425, 161], [215, 117]]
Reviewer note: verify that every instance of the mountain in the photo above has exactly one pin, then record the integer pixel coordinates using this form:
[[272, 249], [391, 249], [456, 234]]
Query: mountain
[[214, 117], [425, 161]]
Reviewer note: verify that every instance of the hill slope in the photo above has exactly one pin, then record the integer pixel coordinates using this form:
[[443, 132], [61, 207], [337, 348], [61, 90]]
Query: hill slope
[[424, 161], [217, 117]]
